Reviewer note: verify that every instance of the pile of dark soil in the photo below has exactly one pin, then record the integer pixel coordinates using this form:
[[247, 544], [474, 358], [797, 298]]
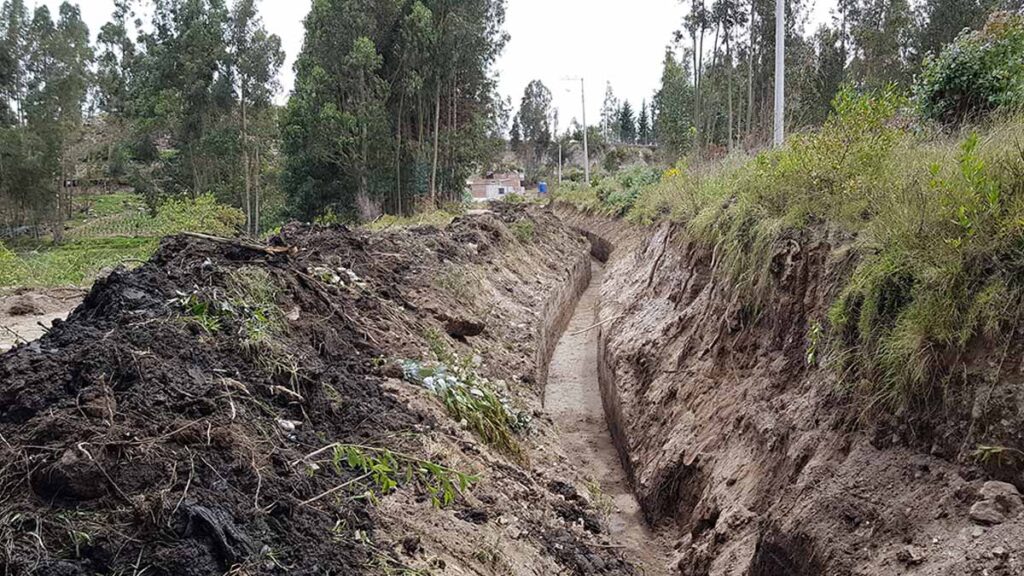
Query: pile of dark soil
[[156, 431]]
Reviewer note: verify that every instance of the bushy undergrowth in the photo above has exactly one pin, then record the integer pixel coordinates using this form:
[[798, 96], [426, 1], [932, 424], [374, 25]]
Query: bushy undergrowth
[[936, 223], [204, 214], [980, 71], [612, 195]]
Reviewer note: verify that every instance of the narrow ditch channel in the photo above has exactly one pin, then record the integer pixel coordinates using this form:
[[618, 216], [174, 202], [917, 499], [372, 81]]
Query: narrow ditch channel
[[573, 399]]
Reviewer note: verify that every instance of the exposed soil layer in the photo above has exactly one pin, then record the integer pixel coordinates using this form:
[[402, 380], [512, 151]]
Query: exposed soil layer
[[759, 459], [148, 433], [573, 399]]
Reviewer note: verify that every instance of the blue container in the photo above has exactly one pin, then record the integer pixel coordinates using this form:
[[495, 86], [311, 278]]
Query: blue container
[[542, 187]]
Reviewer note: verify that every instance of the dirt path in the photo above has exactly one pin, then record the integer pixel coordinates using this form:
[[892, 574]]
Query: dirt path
[[573, 399], [23, 316]]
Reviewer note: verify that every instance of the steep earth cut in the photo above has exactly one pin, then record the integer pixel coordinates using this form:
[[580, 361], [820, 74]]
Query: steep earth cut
[[573, 399], [724, 430]]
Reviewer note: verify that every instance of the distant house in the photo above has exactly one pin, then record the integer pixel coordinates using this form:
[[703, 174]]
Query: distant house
[[495, 186]]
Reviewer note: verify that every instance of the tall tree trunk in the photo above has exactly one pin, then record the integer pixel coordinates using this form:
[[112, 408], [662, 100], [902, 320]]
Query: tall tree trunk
[[437, 131], [256, 194], [398, 157], [750, 74], [195, 171], [246, 166], [728, 82]]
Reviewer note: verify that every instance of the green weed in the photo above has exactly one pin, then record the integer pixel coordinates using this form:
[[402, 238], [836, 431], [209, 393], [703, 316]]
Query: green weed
[[469, 397], [523, 230], [248, 305], [385, 470]]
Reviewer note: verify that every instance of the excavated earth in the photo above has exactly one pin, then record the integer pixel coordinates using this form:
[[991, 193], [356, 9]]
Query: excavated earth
[[675, 430], [144, 436], [763, 465]]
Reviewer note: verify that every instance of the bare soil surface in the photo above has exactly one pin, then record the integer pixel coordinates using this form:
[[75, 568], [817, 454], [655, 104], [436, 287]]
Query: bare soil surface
[[573, 399], [25, 315]]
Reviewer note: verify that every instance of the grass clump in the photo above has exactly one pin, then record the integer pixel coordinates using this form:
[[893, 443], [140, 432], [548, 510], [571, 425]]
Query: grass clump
[[523, 230], [248, 306]]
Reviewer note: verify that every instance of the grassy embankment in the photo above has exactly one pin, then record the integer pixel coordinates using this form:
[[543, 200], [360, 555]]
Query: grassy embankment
[[936, 222], [116, 229]]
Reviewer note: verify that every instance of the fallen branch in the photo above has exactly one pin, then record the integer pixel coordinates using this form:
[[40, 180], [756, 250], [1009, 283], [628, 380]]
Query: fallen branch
[[272, 250], [335, 489], [598, 325]]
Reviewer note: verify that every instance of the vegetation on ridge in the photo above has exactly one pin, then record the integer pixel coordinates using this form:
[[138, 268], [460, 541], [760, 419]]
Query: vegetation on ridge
[[936, 221]]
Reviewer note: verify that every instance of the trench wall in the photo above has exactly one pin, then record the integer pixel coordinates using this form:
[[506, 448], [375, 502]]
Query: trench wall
[[733, 442], [556, 312]]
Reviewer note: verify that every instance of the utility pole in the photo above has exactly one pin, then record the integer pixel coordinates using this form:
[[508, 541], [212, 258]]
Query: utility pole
[[559, 160], [780, 71], [586, 152]]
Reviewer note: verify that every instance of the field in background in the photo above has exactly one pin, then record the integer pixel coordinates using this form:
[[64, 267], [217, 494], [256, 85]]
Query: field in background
[[108, 230]]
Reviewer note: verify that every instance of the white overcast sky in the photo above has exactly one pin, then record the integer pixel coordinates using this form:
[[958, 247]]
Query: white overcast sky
[[600, 40]]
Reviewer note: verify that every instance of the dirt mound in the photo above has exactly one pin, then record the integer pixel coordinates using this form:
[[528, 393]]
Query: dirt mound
[[226, 408], [758, 456]]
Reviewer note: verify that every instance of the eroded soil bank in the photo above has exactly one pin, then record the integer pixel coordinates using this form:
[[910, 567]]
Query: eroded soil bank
[[724, 430], [184, 420]]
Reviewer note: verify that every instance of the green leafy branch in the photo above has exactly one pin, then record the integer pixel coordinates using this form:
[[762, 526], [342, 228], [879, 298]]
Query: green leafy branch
[[385, 470]]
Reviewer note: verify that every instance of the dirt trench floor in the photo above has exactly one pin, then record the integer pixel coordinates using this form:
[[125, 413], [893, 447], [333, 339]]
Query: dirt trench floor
[[573, 399]]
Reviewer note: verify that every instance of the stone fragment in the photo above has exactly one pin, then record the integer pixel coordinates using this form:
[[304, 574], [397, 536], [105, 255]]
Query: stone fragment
[[987, 513]]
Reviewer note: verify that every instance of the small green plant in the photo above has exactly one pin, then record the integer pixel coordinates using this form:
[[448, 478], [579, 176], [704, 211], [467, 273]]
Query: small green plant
[[996, 455], [456, 282], [248, 305], [601, 501], [468, 397], [200, 312], [253, 301], [523, 230], [814, 336], [514, 198], [386, 470]]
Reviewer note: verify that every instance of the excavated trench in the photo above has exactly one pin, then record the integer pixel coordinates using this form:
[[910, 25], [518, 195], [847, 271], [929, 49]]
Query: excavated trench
[[573, 399], [735, 449]]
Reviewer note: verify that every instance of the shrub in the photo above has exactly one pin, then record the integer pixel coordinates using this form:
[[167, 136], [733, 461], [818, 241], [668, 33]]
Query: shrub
[[978, 72], [204, 214], [523, 230]]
